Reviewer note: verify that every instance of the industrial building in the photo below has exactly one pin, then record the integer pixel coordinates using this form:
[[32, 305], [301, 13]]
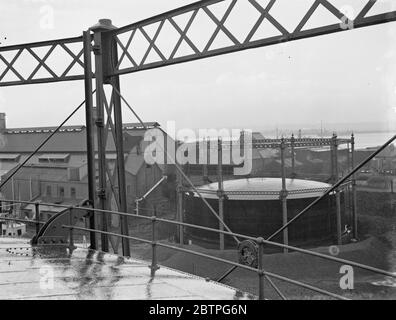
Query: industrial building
[[58, 173]]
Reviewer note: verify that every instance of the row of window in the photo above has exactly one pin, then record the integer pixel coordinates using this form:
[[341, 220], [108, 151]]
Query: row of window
[[60, 192]]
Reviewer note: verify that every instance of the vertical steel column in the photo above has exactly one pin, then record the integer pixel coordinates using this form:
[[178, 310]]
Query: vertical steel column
[[179, 204], [111, 47], [71, 223], [37, 213], [283, 195], [220, 191], [90, 134], [260, 242], [338, 195], [98, 29], [354, 193], [154, 260], [293, 157], [332, 179], [205, 165]]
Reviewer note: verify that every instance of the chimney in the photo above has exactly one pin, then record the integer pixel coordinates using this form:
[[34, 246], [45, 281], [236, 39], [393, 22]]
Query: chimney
[[3, 121]]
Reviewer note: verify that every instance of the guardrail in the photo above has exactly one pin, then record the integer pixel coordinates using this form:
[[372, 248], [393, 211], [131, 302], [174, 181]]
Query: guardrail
[[155, 243]]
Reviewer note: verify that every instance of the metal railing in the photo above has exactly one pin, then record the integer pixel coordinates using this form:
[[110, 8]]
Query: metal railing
[[155, 243]]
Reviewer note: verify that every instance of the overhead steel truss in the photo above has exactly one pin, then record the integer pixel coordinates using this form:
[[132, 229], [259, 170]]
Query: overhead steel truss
[[237, 44], [29, 51], [114, 50], [126, 62]]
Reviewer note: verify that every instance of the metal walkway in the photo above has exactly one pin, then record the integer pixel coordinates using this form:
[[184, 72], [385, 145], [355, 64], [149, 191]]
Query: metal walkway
[[26, 273]]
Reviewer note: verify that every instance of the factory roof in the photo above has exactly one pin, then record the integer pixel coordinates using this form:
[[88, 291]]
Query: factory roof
[[67, 139], [265, 189]]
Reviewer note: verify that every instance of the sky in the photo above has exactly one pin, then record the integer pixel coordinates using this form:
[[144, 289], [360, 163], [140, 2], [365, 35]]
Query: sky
[[346, 78]]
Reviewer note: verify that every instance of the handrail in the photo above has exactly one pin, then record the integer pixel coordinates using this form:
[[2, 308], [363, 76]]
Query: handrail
[[268, 242], [261, 242], [261, 272]]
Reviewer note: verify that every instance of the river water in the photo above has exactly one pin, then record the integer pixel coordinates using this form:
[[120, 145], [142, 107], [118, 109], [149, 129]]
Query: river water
[[370, 139]]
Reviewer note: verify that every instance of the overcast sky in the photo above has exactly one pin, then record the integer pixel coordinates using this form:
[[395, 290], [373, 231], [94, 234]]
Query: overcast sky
[[344, 77]]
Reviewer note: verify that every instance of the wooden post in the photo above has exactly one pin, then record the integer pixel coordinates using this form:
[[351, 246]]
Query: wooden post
[[283, 195], [220, 191]]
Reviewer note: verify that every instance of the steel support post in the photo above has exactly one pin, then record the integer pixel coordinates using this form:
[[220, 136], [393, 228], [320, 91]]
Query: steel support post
[[71, 223], [354, 193], [179, 201], [154, 260], [338, 195], [283, 195], [37, 213], [293, 159], [206, 162], [332, 175], [98, 29], [90, 133], [260, 242], [220, 191], [119, 144]]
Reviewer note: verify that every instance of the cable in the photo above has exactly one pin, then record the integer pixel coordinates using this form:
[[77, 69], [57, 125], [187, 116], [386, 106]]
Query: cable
[[179, 169], [42, 144]]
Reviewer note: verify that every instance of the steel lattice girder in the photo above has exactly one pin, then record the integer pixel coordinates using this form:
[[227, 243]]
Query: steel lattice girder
[[152, 46], [23, 51], [7, 66]]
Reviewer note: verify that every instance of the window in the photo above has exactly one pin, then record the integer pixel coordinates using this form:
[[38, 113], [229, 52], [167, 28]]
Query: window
[[48, 191], [19, 232], [61, 192], [73, 193]]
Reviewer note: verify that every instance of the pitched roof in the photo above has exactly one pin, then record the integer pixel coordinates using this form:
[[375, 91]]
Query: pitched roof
[[67, 139]]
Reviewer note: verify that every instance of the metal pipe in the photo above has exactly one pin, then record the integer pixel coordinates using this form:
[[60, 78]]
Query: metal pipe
[[283, 195], [220, 191], [260, 242], [354, 193], [71, 222], [90, 133], [179, 204], [152, 189], [101, 192], [337, 192], [119, 138], [293, 157], [338, 217], [154, 264], [37, 213]]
